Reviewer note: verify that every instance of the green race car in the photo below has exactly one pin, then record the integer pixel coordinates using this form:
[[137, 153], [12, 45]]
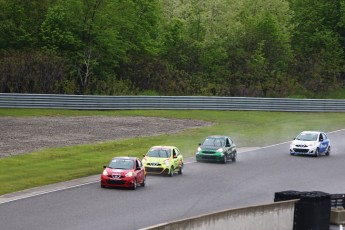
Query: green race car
[[217, 149], [163, 160]]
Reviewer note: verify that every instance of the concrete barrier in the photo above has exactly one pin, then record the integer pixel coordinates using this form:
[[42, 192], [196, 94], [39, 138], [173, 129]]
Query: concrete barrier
[[278, 215], [338, 216]]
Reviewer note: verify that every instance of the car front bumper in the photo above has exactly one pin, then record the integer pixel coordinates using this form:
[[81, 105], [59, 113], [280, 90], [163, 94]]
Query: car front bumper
[[126, 182], [302, 151], [157, 170], [215, 157]]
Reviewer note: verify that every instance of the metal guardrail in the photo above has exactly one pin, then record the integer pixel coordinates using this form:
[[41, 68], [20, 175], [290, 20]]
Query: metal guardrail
[[89, 102]]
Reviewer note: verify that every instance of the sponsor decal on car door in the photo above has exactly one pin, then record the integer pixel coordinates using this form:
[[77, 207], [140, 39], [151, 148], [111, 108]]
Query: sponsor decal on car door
[[323, 143]]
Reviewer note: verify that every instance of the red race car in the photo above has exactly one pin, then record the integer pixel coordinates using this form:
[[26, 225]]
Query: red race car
[[125, 172]]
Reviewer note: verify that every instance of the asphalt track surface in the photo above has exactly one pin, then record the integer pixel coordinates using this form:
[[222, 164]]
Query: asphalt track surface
[[203, 188]]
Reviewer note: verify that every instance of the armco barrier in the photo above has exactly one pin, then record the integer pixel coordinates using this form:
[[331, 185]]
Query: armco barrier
[[278, 215], [9, 100]]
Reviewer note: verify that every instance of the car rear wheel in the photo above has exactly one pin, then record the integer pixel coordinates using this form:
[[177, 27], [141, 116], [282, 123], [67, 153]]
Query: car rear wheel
[[180, 171], [328, 152], [143, 183], [316, 152], [234, 157]]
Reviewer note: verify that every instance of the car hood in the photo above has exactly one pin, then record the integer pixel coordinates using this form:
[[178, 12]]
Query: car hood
[[155, 159], [301, 142], [118, 171], [210, 147]]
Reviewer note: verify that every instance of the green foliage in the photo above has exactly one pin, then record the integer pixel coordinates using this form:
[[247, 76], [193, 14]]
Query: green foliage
[[149, 93], [263, 48], [318, 43], [20, 22], [57, 30], [109, 86], [29, 71]]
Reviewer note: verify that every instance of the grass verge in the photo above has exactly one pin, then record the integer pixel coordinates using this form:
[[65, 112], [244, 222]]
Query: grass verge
[[248, 129]]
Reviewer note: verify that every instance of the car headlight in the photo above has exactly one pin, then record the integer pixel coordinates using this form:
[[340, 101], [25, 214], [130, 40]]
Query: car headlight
[[199, 149], [314, 144], [129, 174], [105, 173], [167, 162], [220, 150]]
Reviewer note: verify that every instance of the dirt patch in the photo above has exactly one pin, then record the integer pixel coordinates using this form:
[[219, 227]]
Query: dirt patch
[[23, 135]]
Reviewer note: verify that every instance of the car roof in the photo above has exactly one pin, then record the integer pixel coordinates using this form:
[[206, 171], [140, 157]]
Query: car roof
[[217, 136], [163, 146], [312, 132], [125, 158]]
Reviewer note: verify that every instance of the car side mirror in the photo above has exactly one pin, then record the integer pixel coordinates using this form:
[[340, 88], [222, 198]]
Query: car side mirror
[[144, 155], [174, 156], [104, 166], [138, 168], [199, 144]]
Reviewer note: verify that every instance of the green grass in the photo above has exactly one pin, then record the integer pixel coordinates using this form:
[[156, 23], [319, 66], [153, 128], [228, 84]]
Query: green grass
[[248, 129]]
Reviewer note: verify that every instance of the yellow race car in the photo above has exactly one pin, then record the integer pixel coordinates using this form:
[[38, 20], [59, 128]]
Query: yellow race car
[[163, 160]]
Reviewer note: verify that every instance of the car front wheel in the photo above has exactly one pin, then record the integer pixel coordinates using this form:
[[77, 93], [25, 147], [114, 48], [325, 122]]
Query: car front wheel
[[225, 159], [134, 187], [171, 173], [316, 152]]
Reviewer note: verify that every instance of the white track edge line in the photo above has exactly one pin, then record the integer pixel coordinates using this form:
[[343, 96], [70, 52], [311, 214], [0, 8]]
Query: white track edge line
[[46, 192]]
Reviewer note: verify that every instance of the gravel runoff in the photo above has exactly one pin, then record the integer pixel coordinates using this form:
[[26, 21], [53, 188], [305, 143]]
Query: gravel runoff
[[20, 135]]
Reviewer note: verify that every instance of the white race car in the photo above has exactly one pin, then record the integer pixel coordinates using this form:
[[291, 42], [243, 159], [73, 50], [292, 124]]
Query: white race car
[[311, 143]]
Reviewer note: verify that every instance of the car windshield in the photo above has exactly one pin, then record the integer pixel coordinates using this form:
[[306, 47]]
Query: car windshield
[[121, 164], [307, 137], [162, 153], [217, 142]]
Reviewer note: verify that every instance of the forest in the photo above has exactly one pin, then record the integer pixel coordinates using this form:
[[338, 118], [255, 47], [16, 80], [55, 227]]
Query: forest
[[258, 48]]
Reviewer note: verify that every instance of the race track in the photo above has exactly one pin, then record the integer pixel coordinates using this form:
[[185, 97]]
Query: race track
[[203, 188]]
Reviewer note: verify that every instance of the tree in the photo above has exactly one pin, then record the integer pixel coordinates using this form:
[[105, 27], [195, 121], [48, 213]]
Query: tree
[[258, 44], [318, 43], [30, 71], [20, 23]]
